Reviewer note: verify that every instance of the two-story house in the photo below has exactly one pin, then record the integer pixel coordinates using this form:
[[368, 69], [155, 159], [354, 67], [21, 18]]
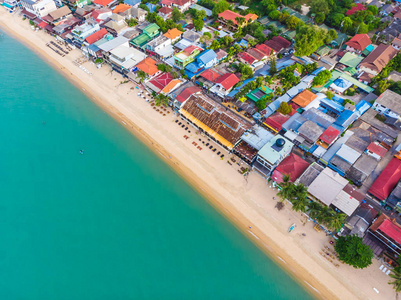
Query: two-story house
[[40, 8], [186, 56], [81, 32], [203, 61], [150, 32]]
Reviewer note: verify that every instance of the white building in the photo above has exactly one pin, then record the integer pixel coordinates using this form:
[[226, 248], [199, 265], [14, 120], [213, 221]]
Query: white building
[[80, 33], [388, 104], [124, 58], [40, 8], [271, 154]]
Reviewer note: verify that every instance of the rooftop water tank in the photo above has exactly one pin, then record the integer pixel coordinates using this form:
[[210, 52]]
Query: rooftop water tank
[[280, 142]]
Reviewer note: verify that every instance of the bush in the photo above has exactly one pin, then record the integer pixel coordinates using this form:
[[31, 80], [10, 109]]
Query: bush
[[353, 251], [285, 108]]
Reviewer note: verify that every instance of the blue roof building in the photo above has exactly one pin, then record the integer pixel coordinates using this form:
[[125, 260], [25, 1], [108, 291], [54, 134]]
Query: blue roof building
[[362, 107], [332, 106], [203, 61], [346, 118], [242, 43], [132, 2]]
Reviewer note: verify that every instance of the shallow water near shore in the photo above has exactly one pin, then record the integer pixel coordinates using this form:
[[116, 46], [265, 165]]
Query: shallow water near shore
[[114, 222]]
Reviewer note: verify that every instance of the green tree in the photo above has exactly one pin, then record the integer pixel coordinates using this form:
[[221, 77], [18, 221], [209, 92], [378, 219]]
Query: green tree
[[381, 86], [176, 15], [293, 22], [219, 7], [180, 28], [132, 22], [143, 6], [321, 78], [287, 189], [320, 17], [319, 6], [314, 209], [336, 221], [164, 68], [329, 95], [331, 35], [373, 9], [274, 15], [299, 200], [363, 28], [346, 24], [198, 24], [283, 17], [308, 39], [273, 64], [396, 275], [335, 19], [353, 251], [215, 45], [161, 99], [142, 76], [261, 103], [284, 108]]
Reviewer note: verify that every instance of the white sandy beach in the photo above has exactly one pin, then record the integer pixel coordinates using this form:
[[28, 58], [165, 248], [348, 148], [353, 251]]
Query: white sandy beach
[[247, 203]]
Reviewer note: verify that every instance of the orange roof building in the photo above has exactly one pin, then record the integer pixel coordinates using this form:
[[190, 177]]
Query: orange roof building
[[304, 98], [229, 15], [121, 8], [170, 86], [103, 2], [148, 65], [173, 34]]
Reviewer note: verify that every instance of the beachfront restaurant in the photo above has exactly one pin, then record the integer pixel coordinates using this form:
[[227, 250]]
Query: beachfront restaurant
[[214, 120]]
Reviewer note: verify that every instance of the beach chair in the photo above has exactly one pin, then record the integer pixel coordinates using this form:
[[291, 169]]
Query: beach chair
[[388, 272], [384, 270], [381, 267]]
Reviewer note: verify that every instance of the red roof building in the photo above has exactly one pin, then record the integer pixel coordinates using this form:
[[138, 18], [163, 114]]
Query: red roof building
[[278, 43], [265, 49], [103, 2], [358, 7], [186, 93], [93, 38], [276, 121], [359, 42], [259, 55], [246, 58], [165, 10], [42, 24], [292, 166], [227, 81], [158, 83], [210, 75], [387, 180], [391, 230], [377, 149], [329, 135]]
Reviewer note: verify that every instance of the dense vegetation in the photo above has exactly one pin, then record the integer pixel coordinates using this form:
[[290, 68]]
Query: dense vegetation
[[353, 251]]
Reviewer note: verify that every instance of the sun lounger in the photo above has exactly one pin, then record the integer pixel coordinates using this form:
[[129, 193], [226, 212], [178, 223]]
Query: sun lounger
[[381, 267]]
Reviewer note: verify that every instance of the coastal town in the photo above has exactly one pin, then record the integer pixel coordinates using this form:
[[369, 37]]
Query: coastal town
[[305, 96]]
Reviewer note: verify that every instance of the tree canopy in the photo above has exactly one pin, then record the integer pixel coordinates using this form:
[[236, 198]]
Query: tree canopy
[[321, 78], [353, 251], [284, 108], [308, 39]]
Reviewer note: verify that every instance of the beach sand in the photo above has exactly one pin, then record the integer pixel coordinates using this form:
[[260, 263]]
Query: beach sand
[[247, 202]]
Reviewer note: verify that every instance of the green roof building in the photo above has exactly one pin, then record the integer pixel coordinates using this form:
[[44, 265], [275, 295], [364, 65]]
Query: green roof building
[[351, 60], [148, 33], [259, 93]]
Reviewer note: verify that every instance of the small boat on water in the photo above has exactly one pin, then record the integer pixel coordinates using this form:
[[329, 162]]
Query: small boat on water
[[291, 227], [81, 151]]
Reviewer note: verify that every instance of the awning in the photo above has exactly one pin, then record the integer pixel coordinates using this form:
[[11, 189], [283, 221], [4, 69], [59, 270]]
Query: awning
[[205, 128], [42, 24], [27, 14]]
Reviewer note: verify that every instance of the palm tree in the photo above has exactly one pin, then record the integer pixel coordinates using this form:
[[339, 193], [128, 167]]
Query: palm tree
[[299, 204], [299, 200], [336, 221], [161, 99], [142, 76], [324, 214], [396, 275], [286, 191], [314, 209]]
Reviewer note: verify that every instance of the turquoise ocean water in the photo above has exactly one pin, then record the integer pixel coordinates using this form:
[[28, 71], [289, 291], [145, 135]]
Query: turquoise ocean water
[[114, 223]]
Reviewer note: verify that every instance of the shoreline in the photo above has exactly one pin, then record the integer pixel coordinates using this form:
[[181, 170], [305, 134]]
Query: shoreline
[[316, 278]]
